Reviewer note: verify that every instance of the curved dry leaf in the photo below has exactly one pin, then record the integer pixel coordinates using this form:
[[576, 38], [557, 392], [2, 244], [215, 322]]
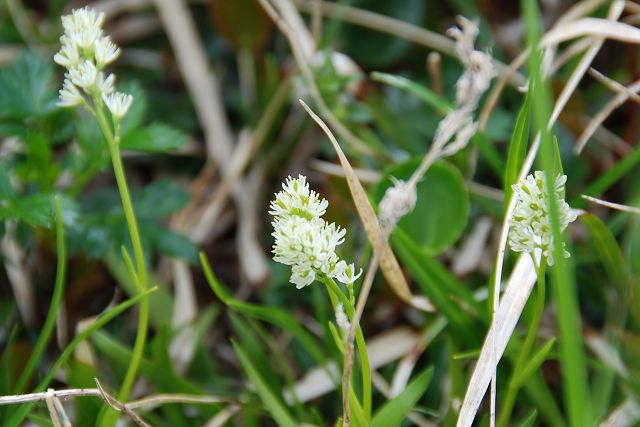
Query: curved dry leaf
[[592, 27], [388, 262]]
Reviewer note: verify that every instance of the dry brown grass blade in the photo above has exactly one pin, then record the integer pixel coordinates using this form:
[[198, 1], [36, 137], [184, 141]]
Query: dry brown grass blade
[[602, 115], [201, 83], [615, 206], [582, 67], [396, 28], [513, 301], [625, 415], [185, 311], [388, 262], [614, 85], [18, 275], [592, 27]]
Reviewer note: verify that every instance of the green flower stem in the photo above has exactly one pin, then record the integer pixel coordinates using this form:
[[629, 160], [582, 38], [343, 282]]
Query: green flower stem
[[335, 292], [525, 350], [113, 141]]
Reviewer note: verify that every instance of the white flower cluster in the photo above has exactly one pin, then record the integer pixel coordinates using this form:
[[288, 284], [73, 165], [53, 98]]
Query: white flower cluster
[[303, 239], [530, 223], [84, 53]]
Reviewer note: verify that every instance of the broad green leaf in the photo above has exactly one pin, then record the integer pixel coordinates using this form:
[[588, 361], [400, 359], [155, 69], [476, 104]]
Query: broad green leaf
[[394, 411], [442, 208], [173, 244], [517, 149], [272, 404], [26, 89], [422, 92], [159, 199], [156, 137]]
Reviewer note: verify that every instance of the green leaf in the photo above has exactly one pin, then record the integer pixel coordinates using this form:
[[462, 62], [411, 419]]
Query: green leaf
[[613, 261], [174, 244], [275, 316], [442, 208], [22, 411], [25, 87], [6, 188], [530, 419], [272, 404], [138, 110], [35, 210], [440, 292], [154, 138], [159, 199], [393, 412], [534, 362], [517, 149], [422, 92]]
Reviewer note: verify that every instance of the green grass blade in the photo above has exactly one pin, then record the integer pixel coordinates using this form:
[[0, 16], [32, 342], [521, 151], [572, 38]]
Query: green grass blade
[[517, 149], [422, 92], [19, 416], [274, 316], [394, 411], [529, 420], [56, 300], [272, 404], [534, 363], [572, 353]]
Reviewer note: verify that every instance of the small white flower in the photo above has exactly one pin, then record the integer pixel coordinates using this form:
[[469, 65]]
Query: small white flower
[[70, 96], [530, 223], [118, 103], [303, 240], [84, 75], [84, 28], [105, 86], [297, 199], [68, 56], [105, 51], [348, 276]]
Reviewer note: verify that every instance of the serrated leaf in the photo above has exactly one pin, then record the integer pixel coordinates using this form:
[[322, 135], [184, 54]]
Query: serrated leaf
[[26, 87], [35, 210], [154, 138], [394, 411], [159, 199]]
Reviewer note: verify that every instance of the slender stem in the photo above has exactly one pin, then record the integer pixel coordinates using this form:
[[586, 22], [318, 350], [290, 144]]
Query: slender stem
[[336, 294], [113, 142], [56, 300], [525, 350]]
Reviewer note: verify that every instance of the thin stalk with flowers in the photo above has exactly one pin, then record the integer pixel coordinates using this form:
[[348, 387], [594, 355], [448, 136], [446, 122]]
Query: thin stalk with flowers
[[85, 53], [530, 232], [306, 242]]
